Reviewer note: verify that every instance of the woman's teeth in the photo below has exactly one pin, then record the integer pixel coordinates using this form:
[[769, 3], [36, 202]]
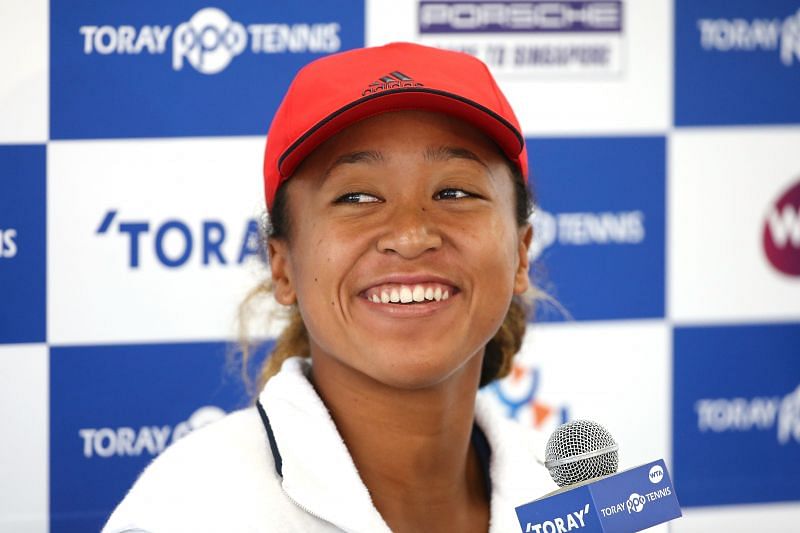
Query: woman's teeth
[[406, 294]]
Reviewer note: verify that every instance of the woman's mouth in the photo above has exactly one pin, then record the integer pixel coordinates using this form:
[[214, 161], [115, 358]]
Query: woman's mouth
[[409, 294]]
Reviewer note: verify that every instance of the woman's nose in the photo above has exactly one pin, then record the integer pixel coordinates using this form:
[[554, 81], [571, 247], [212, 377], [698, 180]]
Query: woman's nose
[[410, 233]]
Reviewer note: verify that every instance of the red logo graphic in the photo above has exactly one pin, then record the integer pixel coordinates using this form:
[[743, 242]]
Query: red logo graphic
[[518, 393], [782, 232]]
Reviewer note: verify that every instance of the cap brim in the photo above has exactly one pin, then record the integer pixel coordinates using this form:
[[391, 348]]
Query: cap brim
[[493, 125]]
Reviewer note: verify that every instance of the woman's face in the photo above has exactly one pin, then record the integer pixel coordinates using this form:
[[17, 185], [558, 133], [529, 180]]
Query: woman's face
[[410, 206]]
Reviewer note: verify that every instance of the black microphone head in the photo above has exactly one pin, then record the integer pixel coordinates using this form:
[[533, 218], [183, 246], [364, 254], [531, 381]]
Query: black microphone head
[[580, 450]]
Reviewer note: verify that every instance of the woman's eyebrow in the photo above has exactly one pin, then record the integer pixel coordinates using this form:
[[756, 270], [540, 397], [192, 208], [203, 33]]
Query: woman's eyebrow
[[364, 156], [444, 153]]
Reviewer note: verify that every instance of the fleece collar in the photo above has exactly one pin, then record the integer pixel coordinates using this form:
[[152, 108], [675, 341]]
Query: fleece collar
[[320, 477]]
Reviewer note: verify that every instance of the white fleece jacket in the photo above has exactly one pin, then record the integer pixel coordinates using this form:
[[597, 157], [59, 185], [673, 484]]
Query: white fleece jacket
[[223, 478]]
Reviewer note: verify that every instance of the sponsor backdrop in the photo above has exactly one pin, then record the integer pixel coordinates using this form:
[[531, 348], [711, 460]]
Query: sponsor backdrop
[[664, 138]]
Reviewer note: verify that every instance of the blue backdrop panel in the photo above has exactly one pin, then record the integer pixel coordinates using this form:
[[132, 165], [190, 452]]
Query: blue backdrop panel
[[155, 69], [736, 414], [111, 410], [737, 62], [605, 200], [22, 244]]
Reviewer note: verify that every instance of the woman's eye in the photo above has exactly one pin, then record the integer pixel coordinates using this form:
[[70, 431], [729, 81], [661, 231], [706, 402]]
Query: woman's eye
[[451, 194], [356, 198]]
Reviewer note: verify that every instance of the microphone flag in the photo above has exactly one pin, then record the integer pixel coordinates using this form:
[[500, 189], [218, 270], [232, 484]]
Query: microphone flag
[[627, 501]]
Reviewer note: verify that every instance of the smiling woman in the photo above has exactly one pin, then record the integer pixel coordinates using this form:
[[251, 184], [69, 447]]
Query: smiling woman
[[398, 237], [453, 200]]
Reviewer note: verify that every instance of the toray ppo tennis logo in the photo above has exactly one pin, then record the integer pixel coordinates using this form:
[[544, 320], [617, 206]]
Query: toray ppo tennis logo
[[585, 229], [781, 234], [210, 39], [8, 244], [760, 34], [126, 441], [762, 413]]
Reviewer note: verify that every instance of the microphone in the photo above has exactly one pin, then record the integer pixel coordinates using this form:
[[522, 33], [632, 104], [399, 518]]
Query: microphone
[[582, 458], [579, 451]]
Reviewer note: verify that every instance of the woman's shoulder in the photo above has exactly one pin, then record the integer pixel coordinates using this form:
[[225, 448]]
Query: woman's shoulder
[[223, 471], [221, 449]]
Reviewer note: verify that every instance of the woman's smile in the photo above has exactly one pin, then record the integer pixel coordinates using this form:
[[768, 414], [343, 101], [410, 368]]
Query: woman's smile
[[409, 292], [409, 299]]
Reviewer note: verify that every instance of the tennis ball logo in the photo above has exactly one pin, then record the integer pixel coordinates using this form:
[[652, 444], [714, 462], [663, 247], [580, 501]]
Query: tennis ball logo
[[209, 41], [781, 234], [635, 503]]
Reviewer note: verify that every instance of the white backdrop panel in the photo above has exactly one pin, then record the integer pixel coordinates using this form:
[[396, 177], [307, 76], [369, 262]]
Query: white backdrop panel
[[723, 184], [96, 295], [634, 98], [615, 373], [24, 397], [25, 76]]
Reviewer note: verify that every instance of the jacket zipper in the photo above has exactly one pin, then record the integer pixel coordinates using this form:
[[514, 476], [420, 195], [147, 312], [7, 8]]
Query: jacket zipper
[[309, 511]]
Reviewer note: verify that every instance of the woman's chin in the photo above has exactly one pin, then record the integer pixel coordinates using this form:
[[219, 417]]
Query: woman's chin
[[415, 372]]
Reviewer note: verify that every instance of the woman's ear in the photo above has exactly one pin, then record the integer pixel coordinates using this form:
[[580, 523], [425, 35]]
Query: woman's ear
[[521, 279], [280, 266]]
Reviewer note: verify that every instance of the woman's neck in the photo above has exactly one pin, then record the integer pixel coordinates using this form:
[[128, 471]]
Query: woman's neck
[[411, 447]]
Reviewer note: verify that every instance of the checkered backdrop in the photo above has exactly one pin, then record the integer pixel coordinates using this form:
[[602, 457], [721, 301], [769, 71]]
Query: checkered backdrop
[[664, 138]]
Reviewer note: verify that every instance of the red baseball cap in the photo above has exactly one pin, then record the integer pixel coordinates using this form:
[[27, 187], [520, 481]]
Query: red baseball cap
[[333, 92]]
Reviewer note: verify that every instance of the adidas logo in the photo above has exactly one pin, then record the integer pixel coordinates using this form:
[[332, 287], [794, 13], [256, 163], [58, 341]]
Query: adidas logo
[[393, 80]]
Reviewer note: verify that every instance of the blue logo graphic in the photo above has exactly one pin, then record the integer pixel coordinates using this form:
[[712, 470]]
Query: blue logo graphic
[[208, 239], [22, 244], [737, 62], [155, 69], [519, 394], [736, 414], [599, 230], [115, 408]]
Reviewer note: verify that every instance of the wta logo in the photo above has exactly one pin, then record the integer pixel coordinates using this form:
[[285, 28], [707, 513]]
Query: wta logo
[[782, 232]]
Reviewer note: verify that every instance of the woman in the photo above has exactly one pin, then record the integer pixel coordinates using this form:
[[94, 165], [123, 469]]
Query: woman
[[395, 182]]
